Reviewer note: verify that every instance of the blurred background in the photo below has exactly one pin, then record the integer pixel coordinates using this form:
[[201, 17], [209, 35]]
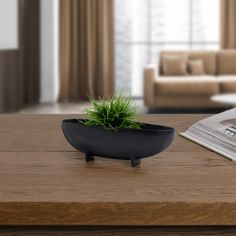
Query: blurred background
[[169, 56]]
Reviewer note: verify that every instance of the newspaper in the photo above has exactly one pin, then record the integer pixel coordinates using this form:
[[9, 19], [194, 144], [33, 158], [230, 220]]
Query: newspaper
[[217, 133]]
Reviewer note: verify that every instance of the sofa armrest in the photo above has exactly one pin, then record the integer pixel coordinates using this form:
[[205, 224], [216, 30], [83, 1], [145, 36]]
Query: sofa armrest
[[150, 75]]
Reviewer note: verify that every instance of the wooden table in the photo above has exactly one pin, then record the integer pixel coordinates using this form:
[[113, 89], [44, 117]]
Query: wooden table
[[46, 188]]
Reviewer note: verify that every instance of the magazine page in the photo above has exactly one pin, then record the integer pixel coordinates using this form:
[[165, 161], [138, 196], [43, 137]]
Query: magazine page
[[217, 133], [211, 142], [222, 125]]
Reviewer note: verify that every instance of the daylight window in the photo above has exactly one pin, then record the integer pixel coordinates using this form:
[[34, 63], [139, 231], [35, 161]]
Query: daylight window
[[145, 27]]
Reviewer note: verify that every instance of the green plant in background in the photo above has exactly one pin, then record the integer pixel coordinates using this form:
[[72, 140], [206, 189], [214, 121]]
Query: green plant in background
[[117, 112]]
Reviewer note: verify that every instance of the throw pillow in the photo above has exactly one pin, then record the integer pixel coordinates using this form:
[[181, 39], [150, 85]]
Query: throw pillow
[[196, 67], [175, 65]]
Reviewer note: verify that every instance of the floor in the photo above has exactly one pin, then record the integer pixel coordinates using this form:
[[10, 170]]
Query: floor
[[70, 108], [79, 108], [63, 108]]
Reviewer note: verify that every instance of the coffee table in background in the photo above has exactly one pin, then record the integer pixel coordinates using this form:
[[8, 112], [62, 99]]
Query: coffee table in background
[[228, 99]]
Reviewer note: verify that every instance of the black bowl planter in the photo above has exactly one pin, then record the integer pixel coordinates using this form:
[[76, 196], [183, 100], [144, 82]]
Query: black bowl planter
[[123, 144]]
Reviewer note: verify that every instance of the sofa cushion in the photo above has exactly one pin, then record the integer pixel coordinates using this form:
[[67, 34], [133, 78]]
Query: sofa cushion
[[208, 58], [194, 85], [196, 67], [175, 65], [227, 83], [226, 62]]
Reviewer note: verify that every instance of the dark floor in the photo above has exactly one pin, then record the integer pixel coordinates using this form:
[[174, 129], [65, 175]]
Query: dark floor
[[185, 111]]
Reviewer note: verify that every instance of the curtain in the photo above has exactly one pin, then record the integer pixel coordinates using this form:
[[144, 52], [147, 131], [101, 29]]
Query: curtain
[[228, 24], [86, 49]]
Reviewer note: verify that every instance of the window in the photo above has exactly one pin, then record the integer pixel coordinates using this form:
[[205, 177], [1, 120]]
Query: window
[[8, 24], [145, 27]]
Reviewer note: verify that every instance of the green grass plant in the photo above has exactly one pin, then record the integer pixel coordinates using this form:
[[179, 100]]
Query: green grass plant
[[115, 113]]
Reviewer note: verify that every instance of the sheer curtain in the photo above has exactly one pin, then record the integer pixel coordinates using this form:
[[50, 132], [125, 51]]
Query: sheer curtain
[[228, 24], [86, 49]]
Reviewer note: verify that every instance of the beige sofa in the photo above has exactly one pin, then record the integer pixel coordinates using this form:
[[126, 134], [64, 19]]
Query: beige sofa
[[191, 91]]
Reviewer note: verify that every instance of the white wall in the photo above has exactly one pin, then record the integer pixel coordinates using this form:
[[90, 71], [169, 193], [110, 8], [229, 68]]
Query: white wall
[[49, 50], [8, 24]]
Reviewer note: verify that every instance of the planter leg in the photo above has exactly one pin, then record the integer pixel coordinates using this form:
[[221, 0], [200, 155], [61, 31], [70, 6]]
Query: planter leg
[[89, 157], [135, 162]]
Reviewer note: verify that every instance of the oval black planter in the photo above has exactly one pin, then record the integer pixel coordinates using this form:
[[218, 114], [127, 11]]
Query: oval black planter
[[124, 144]]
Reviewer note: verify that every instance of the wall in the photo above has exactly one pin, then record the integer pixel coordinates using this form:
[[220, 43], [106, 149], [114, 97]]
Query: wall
[[19, 67], [49, 50]]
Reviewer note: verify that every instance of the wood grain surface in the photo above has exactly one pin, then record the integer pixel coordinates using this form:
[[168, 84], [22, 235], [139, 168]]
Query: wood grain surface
[[44, 181]]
